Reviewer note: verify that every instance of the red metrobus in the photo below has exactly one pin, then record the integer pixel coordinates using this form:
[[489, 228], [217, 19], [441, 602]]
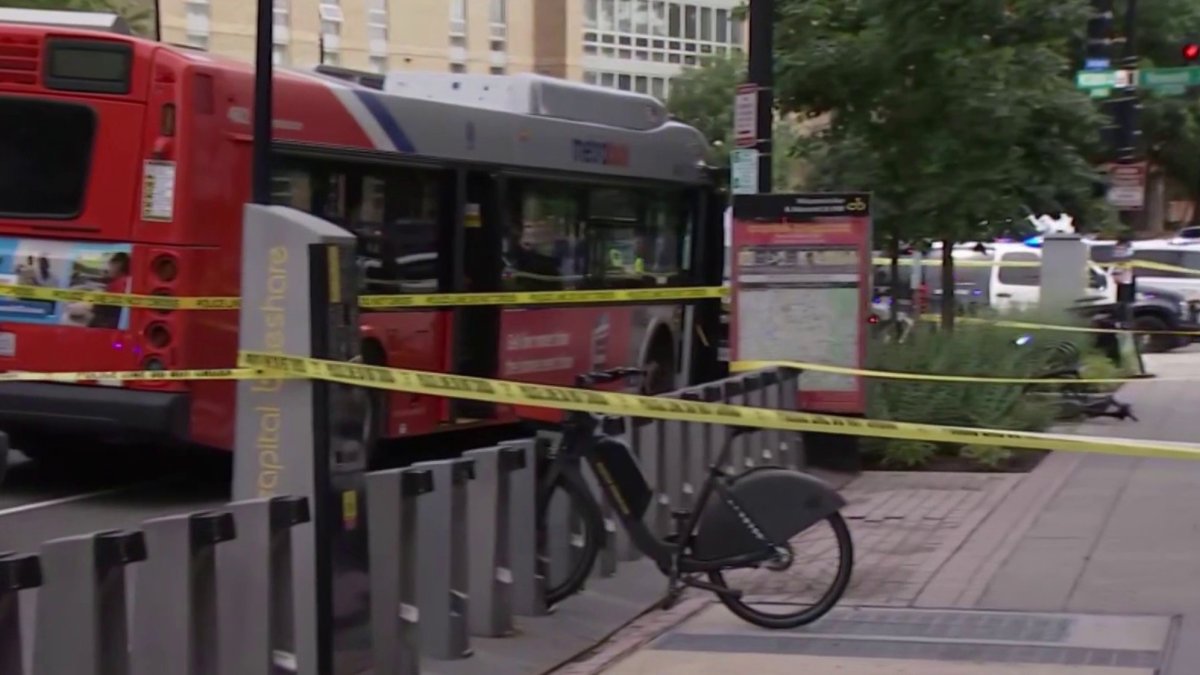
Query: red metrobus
[[128, 161]]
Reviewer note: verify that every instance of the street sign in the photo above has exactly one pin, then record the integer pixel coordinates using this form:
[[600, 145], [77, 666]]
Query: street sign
[[1169, 80], [1098, 64], [1100, 83], [1164, 81], [743, 172], [745, 116], [1127, 186]]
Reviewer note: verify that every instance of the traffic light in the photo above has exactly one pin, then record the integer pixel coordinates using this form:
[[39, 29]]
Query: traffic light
[[1190, 52]]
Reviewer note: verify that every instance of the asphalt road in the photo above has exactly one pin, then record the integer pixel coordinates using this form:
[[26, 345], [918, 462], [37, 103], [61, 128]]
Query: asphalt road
[[42, 500]]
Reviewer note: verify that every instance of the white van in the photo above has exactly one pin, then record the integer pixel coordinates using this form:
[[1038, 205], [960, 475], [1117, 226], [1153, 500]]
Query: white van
[[1006, 288]]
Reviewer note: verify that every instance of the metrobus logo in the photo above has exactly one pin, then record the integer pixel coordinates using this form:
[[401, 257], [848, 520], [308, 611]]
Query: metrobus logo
[[599, 152]]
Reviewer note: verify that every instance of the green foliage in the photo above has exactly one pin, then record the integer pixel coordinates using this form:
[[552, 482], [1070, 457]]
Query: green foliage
[[972, 349], [958, 116], [703, 98], [1170, 124]]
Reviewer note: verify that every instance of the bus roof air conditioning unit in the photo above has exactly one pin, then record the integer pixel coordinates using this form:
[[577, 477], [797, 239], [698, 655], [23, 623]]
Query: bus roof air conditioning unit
[[99, 21]]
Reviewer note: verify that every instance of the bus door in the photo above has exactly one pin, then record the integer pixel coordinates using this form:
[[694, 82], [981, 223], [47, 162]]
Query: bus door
[[477, 329]]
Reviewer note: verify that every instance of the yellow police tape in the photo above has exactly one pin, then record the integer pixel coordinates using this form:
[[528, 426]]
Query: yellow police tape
[[166, 303], [258, 365], [1028, 325], [746, 366], [565, 398]]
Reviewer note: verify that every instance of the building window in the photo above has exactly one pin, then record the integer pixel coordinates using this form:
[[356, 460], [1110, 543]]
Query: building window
[[279, 55], [591, 11], [458, 17], [496, 70], [198, 22], [499, 12], [379, 64], [198, 41], [458, 68], [658, 88], [624, 82], [589, 77]]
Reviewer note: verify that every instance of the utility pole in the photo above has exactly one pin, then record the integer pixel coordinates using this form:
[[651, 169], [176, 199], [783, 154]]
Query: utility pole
[[263, 67], [762, 75]]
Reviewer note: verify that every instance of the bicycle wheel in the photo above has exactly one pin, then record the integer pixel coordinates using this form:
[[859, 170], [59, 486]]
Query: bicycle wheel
[[570, 530], [768, 603]]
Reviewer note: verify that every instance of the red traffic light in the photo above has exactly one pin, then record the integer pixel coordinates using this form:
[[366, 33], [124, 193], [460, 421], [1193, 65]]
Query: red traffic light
[[1191, 51]]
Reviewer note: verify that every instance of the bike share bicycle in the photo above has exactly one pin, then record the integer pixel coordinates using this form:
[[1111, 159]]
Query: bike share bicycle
[[747, 520]]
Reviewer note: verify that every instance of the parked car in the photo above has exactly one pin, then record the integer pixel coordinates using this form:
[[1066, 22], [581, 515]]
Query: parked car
[[1161, 309], [1184, 255]]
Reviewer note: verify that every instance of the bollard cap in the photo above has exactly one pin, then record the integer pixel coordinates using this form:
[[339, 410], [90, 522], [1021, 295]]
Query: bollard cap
[[415, 482], [712, 392], [462, 471], [19, 571], [288, 511], [770, 377], [115, 548], [733, 387], [752, 380], [209, 528], [512, 459]]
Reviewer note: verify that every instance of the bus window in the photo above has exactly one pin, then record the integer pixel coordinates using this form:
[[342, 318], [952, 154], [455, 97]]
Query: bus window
[[396, 222], [666, 228], [1020, 276], [292, 187], [542, 249]]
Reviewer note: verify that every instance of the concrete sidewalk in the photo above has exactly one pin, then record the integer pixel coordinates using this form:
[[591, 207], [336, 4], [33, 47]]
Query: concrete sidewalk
[[1086, 566]]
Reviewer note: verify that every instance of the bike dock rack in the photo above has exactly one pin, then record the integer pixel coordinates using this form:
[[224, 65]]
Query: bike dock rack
[[17, 573], [452, 552], [395, 632], [82, 618], [175, 600], [442, 565]]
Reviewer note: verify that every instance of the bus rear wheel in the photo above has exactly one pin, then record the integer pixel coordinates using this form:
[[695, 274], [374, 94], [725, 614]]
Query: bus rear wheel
[[660, 367]]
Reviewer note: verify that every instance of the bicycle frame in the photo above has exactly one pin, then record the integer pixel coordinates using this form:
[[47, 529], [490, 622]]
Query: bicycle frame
[[580, 441]]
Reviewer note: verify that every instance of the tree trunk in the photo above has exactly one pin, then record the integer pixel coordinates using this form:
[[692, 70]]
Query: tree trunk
[[949, 288]]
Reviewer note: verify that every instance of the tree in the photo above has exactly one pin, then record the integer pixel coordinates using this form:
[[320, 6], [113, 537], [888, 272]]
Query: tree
[[140, 18], [703, 98], [1170, 124], [958, 116]]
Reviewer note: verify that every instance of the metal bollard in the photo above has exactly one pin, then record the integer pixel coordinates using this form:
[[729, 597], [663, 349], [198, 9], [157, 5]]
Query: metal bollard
[[734, 396], [755, 398], [490, 578], [606, 557], [442, 556], [82, 623], [693, 454], [673, 439], [773, 438], [626, 551], [254, 586], [651, 434], [17, 573], [528, 591], [714, 434], [175, 595], [789, 392], [392, 507]]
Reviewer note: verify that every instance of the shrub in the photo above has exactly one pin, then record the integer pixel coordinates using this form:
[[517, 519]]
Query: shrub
[[974, 348]]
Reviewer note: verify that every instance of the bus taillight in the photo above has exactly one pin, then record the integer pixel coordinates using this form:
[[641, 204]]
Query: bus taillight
[[158, 335], [165, 268]]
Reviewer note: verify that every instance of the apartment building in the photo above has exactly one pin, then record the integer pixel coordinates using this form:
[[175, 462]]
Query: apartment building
[[637, 45]]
